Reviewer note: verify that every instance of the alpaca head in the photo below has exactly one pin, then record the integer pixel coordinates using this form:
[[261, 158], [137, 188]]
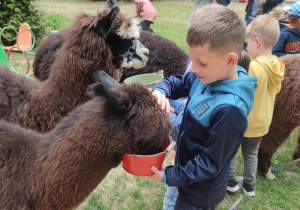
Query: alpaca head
[[110, 35], [133, 109]]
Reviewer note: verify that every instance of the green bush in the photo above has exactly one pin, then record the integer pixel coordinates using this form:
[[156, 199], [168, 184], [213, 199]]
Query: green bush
[[16, 12], [56, 21]]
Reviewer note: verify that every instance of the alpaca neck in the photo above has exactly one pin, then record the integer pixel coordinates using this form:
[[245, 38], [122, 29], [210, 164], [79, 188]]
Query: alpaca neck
[[80, 154]]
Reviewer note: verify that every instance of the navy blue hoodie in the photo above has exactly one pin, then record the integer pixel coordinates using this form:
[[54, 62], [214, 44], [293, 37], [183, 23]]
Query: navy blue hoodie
[[288, 42], [211, 132]]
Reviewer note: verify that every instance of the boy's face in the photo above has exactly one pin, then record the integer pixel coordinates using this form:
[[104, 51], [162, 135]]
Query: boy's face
[[210, 66], [298, 24], [251, 46]]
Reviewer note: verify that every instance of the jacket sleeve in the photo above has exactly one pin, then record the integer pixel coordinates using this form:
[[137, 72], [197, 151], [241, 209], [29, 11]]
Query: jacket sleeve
[[279, 47], [177, 86], [228, 127], [139, 6]]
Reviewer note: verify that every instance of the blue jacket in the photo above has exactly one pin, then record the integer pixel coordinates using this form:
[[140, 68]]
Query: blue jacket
[[288, 42], [211, 132]]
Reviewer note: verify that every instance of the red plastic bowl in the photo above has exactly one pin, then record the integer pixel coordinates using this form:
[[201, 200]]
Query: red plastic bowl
[[140, 165]]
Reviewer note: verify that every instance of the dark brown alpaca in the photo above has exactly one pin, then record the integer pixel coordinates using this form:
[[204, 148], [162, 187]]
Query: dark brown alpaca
[[91, 43], [59, 169], [286, 116], [163, 55]]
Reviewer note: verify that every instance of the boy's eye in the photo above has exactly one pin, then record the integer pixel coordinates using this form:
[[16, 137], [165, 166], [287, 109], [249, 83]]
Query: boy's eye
[[202, 64]]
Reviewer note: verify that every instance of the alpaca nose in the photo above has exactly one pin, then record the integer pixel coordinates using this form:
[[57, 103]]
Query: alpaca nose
[[146, 52]]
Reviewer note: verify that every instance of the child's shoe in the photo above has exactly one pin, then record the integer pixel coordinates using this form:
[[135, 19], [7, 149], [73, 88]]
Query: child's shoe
[[232, 185], [247, 188]]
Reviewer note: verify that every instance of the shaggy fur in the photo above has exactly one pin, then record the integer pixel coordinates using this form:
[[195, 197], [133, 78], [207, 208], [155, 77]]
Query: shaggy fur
[[59, 169], [46, 53], [286, 116], [163, 55], [91, 43]]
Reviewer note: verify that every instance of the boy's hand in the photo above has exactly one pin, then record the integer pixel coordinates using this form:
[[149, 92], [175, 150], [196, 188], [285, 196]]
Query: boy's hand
[[162, 101], [158, 174]]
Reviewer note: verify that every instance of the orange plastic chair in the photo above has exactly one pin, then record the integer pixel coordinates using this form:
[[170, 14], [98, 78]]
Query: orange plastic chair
[[25, 39]]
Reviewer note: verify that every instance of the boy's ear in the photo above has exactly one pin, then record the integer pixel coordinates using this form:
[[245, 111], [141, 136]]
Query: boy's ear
[[257, 41], [232, 59]]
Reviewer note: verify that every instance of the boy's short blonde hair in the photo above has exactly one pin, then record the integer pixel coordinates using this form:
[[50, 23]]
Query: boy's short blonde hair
[[266, 28], [219, 27]]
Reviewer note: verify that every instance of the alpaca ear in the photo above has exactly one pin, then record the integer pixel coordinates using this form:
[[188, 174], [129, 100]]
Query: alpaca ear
[[107, 87], [105, 80], [106, 24]]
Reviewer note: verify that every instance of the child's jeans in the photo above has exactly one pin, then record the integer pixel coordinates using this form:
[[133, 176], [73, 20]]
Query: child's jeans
[[247, 19], [250, 148], [183, 204], [176, 118], [170, 198]]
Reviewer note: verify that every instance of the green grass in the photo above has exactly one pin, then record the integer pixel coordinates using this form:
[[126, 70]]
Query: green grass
[[120, 190], [281, 193]]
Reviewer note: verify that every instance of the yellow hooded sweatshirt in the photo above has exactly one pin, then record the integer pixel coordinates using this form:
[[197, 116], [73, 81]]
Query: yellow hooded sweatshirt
[[269, 73]]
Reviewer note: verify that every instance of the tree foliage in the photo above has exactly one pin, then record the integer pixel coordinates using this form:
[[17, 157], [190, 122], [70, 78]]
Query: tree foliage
[[16, 12]]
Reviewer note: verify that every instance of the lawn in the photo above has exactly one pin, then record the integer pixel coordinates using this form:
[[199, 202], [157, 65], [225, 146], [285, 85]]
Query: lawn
[[120, 190]]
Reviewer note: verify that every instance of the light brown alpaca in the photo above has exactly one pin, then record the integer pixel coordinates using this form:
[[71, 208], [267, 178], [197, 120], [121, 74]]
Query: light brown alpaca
[[59, 169]]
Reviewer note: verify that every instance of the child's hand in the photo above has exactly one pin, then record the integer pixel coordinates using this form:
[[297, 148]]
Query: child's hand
[[158, 174], [162, 101]]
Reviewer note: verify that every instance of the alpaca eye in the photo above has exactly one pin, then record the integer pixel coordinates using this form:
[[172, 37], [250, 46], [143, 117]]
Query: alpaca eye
[[131, 50]]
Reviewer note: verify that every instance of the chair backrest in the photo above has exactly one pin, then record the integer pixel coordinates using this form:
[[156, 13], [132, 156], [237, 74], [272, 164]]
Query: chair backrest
[[24, 37], [3, 59]]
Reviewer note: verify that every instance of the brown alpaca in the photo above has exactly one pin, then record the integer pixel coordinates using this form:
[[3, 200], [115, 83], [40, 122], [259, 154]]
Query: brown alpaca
[[163, 55], [286, 116], [91, 43], [59, 169]]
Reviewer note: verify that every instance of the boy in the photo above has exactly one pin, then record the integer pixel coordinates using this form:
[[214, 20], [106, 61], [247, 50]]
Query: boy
[[261, 35], [215, 118], [289, 39]]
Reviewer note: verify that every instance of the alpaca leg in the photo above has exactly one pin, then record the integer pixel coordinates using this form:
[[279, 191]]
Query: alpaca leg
[[265, 154], [296, 154], [269, 145], [269, 175]]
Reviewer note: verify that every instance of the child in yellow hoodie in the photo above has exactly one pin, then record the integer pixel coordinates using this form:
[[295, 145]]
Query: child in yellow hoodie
[[261, 35]]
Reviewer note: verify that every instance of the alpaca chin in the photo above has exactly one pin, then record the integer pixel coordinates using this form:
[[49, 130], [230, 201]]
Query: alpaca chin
[[136, 64]]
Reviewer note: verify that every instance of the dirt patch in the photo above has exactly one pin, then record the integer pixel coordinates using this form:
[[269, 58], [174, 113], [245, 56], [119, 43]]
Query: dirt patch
[[290, 175]]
